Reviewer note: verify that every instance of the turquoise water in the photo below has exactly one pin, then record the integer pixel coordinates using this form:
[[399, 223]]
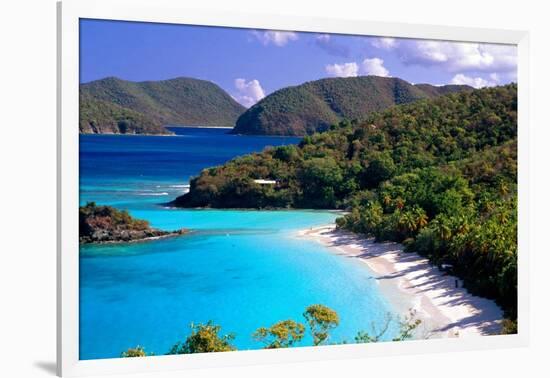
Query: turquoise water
[[240, 269]]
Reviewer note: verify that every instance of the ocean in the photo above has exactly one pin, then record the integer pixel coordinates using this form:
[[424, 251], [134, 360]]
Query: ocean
[[239, 269]]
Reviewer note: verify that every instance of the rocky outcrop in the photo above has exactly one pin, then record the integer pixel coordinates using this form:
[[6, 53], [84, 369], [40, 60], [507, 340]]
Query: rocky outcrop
[[105, 224]]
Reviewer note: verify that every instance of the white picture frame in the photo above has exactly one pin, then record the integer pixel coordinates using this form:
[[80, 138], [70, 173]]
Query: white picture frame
[[167, 11]]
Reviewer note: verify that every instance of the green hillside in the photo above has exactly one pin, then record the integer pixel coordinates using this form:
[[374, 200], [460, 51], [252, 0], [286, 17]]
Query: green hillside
[[316, 105], [438, 175], [181, 101], [102, 117]]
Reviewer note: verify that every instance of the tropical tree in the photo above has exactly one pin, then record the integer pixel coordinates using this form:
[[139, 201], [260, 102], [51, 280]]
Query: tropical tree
[[204, 338], [283, 334], [407, 326], [380, 168], [375, 335], [399, 203], [370, 218], [442, 228], [321, 319], [421, 217], [407, 222], [138, 351]]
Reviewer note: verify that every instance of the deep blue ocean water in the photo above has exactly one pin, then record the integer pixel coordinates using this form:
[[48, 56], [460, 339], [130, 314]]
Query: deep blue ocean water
[[240, 269]]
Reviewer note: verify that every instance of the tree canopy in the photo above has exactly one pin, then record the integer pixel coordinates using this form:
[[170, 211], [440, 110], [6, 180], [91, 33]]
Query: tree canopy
[[321, 319], [283, 334], [204, 338], [288, 333]]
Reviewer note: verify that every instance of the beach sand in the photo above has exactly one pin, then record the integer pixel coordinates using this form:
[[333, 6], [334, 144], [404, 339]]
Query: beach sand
[[410, 282]]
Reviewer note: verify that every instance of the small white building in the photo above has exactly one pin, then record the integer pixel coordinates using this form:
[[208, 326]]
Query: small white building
[[265, 182]]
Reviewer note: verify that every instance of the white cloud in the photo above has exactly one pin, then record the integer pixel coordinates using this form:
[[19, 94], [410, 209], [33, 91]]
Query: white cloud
[[385, 43], [328, 44], [248, 92], [460, 56], [374, 66], [278, 38], [323, 37], [476, 82], [342, 70]]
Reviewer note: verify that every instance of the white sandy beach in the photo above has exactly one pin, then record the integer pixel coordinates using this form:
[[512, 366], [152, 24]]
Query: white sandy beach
[[410, 282]]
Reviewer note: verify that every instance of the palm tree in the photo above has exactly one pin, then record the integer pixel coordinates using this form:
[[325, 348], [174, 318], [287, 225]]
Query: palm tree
[[503, 189], [421, 217], [407, 222], [399, 203], [442, 229]]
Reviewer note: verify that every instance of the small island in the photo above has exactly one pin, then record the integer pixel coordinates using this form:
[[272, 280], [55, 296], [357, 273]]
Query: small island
[[105, 224]]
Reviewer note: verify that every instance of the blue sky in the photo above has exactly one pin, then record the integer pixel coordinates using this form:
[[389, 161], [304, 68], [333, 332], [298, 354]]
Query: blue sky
[[250, 64]]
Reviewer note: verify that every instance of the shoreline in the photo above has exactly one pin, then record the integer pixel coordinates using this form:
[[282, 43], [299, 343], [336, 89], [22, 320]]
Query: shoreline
[[200, 127], [409, 281], [166, 205], [129, 134], [169, 234]]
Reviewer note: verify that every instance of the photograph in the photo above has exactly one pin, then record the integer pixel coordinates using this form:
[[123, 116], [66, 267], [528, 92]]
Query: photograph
[[246, 189]]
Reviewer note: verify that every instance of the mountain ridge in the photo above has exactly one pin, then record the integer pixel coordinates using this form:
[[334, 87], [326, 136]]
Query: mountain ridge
[[316, 105], [179, 101]]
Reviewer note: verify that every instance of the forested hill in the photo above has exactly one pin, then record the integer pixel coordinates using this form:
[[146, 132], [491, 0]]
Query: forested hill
[[439, 175], [315, 105], [148, 106], [102, 117]]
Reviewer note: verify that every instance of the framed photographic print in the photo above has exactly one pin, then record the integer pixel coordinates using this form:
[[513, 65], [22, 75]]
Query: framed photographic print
[[238, 189]]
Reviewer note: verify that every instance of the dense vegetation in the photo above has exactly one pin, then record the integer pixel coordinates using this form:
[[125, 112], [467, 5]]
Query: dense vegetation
[[439, 175], [206, 338], [102, 224], [146, 106], [316, 105]]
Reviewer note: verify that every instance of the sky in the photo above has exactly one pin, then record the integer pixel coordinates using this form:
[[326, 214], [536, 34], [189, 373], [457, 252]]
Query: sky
[[250, 64]]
